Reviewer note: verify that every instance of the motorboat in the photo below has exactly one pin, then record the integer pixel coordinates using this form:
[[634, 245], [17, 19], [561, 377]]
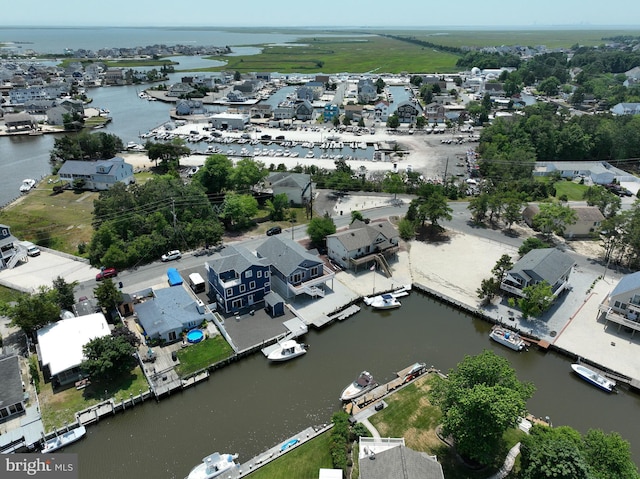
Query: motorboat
[[288, 444], [507, 338], [27, 185], [597, 379], [361, 385], [287, 350], [382, 301], [64, 439], [416, 370], [213, 465]]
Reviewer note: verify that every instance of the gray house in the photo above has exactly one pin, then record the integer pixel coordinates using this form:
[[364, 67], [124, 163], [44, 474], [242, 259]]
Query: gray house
[[297, 186], [538, 265], [168, 312], [390, 458], [97, 175], [622, 305], [294, 271], [11, 393]]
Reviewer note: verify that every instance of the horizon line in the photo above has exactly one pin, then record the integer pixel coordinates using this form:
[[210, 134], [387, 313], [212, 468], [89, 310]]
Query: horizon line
[[359, 27]]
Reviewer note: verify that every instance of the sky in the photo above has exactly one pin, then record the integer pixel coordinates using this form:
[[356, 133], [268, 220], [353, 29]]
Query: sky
[[328, 13]]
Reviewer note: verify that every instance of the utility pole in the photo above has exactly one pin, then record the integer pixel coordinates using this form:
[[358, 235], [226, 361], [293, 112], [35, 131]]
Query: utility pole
[[446, 167], [173, 213]]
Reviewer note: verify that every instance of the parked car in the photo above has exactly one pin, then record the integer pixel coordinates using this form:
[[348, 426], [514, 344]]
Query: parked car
[[106, 273], [276, 230], [171, 255]]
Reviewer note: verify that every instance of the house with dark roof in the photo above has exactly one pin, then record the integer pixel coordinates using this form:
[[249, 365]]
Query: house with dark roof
[[7, 247], [367, 90], [294, 270], [303, 110], [297, 186], [11, 392], [238, 280], [168, 312], [362, 243], [622, 305], [408, 111], [97, 175], [390, 458], [547, 264]]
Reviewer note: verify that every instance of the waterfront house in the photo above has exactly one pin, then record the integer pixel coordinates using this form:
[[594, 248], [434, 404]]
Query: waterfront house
[[297, 186], [303, 110], [394, 459], [229, 121], [294, 271], [547, 264], [363, 243], [408, 112], [12, 391], [330, 111], [304, 93], [18, 121], [238, 280], [114, 76], [367, 91], [353, 112], [588, 220], [435, 112], [381, 110], [60, 345], [180, 90], [10, 253], [622, 305], [167, 312], [97, 175]]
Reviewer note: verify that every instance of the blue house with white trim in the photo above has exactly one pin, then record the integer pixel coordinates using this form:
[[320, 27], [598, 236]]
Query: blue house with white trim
[[238, 280]]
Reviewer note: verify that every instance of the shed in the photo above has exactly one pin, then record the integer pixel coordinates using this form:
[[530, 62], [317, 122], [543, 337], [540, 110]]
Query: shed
[[274, 304]]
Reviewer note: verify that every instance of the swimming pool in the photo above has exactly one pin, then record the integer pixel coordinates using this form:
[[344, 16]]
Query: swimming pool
[[195, 336]]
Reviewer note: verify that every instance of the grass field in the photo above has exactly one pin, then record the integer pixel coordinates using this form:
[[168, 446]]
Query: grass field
[[574, 191], [198, 356]]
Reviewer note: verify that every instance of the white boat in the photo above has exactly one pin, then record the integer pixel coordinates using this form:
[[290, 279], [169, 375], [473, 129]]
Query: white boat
[[361, 385], [27, 185], [416, 370], [382, 301], [597, 379], [213, 465], [64, 439], [287, 350], [507, 338]]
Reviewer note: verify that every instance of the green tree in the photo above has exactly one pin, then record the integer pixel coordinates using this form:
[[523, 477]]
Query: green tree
[[379, 85], [530, 244], [488, 289], [108, 295], [393, 121], [501, 267], [608, 455], [480, 400], [406, 229], [215, 174], [319, 228], [479, 205], [64, 293], [277, 207], [34, 311], [607, 202], [554, 218], [107, 357], [247, 173], [392, 183], [536, 300], [512, 210], [356, 215], [169, 154], [550, 86], [435, 208], [239, 210]]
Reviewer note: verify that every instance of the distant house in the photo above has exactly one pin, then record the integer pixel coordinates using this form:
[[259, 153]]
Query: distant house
[[97, 175], [304, 93], [297, 186], [294, 271], [435, 113], [362, 243], [381, 110], [367, 90], [538, 265], [330, 111], [626, 109], [395, 460], [353, 112], [229, 121], [180, 89], [60, 345], [169, 312], [11, 393], [20, 120], [599, 172], [408, 112], [588, 221], [114, 76], [238, 280], [529, 213], [303, 110]]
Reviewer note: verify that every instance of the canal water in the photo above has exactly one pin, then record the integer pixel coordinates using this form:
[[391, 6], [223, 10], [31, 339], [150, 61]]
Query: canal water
[[252, 405]]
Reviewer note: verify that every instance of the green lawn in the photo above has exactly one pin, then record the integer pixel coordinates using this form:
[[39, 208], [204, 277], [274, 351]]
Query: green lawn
[[203, 354], [303, 462], [8, 295], [574, 191], [59, 407]]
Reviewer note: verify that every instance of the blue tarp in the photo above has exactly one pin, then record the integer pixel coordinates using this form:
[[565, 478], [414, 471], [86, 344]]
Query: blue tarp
[[174, 277]]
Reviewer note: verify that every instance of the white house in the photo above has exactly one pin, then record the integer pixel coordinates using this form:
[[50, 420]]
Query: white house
[[362, 243], [97, 175]]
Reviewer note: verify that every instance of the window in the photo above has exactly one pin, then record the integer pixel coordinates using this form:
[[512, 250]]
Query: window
[[252, 285], [242, 288], [258, 274], [229, 292], [248, 274]]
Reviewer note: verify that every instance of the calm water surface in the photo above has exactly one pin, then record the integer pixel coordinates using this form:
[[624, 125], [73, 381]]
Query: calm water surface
[[253, 405]]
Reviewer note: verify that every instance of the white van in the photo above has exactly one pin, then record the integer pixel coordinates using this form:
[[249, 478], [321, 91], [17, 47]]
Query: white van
[[32, 249], [196, 283]]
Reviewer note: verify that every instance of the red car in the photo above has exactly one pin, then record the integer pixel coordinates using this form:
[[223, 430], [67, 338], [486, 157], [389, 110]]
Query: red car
[[106, 273]]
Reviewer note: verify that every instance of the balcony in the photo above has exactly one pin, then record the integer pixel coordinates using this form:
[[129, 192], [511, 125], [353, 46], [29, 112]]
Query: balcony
[[311, 287], [620, 319]]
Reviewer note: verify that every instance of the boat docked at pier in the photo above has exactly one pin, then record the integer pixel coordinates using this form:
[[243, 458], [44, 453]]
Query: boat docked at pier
[[382, 301], [213, 465], [507, 338], [592, 377], [362, 384], [287, 350], [64, 439]]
